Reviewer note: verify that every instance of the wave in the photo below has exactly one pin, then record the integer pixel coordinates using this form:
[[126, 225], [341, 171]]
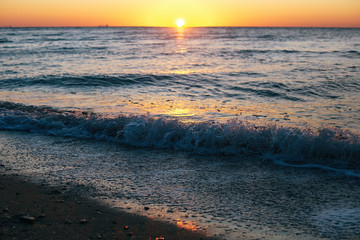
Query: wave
[[271, 93], [251, 52], [107, 81], [351, 54], [328, 147], [85, 81], [5, 40]]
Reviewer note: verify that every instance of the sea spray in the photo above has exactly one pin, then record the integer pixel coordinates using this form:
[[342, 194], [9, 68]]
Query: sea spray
[[331, 147]]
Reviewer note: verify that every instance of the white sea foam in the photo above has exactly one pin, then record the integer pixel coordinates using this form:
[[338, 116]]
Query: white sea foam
[[342, 171], [328, 147]]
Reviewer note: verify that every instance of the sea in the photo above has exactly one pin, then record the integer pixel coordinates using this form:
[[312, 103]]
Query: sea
[[243, 133]]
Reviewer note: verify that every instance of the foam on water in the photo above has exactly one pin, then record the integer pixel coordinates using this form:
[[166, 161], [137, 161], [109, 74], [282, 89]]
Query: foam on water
[[329, 147], [346, 172]]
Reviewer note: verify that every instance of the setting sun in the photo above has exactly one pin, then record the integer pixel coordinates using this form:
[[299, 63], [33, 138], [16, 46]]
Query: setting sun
[[187, 13], [180, 22]]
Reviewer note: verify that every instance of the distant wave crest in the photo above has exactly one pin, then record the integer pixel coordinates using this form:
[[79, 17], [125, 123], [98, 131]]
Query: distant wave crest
[[87, 80], [5, 40], [334, 148]]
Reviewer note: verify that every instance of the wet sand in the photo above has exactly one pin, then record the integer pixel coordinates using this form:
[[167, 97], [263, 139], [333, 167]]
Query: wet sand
[[30, 211], [229, 198]]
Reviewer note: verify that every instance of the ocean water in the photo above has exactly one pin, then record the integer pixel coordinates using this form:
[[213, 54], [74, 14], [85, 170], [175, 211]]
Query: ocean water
[[227, 100]]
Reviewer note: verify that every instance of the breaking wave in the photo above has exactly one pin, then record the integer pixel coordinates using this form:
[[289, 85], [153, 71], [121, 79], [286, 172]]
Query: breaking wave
[[329, 147]]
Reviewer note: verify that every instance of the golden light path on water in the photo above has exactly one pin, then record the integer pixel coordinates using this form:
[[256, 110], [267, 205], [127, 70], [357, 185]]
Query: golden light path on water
[[184, 109], [179, 103]]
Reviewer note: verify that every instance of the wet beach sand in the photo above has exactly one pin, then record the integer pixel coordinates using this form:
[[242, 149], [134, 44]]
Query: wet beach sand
[[30, 211], [47, 184]]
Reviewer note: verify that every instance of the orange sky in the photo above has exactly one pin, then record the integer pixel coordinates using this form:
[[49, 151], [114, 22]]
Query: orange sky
[[304, 13]]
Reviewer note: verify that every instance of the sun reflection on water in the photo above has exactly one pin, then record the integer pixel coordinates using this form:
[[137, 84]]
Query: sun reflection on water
[[183, 109], [180, 112], [180, 33]]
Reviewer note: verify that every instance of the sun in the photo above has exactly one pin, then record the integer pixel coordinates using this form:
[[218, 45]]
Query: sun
[[180, 22]]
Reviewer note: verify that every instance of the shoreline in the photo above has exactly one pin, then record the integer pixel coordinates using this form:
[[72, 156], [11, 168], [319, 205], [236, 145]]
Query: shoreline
[[247, 198], [31, 211]]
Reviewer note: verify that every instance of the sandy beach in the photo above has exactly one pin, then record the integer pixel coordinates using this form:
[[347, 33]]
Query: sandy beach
[[30, 211]]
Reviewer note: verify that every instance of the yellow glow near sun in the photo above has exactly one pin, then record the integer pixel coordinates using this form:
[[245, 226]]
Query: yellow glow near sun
[[180, 22]]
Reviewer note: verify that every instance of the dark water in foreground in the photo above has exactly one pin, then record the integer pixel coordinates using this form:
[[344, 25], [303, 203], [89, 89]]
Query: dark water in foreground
[[232, 197]]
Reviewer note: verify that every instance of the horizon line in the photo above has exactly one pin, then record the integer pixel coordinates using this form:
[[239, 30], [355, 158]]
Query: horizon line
[[108, 26]]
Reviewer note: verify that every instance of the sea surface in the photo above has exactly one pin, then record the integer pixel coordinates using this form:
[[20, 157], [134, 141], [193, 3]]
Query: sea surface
[[176, 116]]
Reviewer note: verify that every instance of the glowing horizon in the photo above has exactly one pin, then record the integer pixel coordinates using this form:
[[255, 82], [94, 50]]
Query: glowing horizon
[[201, 13]]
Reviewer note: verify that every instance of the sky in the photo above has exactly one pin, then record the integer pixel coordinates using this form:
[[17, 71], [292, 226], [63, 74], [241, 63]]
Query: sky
[[290, 13]]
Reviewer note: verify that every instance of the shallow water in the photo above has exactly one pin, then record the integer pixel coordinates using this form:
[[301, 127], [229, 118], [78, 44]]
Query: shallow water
[[229, 197]]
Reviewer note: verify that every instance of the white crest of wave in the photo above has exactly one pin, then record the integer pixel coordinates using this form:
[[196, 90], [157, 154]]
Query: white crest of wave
[[336, 148]]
